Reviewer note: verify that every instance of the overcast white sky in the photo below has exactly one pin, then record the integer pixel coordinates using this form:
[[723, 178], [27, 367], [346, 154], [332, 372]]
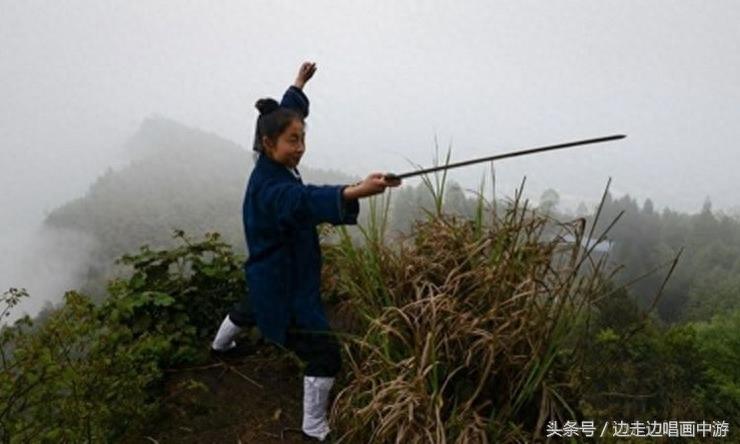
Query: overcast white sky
[[78, 77]]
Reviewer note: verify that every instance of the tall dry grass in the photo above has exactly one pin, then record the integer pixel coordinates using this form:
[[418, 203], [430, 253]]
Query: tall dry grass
[[464, 331]]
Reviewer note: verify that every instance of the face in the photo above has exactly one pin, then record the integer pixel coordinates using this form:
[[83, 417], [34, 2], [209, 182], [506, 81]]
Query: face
[[290, 145]]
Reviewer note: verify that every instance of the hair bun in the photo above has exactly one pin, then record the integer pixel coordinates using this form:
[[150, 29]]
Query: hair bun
[[267, 105]]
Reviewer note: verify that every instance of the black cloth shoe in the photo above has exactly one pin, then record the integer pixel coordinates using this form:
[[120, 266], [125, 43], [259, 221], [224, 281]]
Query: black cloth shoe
[[242, 349], [309, 438]]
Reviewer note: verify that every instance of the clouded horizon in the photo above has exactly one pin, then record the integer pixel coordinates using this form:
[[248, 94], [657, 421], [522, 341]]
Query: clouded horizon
[[77, 78]]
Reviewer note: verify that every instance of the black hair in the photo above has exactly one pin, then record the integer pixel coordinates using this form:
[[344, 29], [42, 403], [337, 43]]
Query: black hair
[[272, 121]]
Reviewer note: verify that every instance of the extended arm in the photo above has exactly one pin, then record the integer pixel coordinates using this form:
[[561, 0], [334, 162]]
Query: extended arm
[[299, 205], [373, 184]]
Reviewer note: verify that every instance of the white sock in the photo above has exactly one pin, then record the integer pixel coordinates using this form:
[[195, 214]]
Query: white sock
[[315, 402], [226, 333]]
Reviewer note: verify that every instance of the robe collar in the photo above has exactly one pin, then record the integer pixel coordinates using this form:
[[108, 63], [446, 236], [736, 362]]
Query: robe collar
[[264, 161]]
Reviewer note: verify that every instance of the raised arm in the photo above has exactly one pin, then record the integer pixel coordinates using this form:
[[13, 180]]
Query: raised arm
[[296, 99], [294, 96]]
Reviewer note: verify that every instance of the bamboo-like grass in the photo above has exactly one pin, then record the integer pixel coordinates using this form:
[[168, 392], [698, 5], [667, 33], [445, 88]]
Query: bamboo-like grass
[[464, 331]]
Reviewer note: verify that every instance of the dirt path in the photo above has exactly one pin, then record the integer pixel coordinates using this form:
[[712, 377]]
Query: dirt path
[[250, 401]]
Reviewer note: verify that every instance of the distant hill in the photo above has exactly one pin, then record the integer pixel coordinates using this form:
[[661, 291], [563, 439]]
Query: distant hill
[[179, 177]]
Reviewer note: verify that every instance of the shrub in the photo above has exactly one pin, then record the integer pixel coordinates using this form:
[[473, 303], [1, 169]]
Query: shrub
[[94, 373]]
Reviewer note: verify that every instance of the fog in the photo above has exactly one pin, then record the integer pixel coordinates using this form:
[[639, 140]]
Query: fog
[[77, 78]]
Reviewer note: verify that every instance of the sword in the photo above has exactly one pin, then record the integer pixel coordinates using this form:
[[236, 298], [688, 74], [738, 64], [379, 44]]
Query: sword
[[392, 176]]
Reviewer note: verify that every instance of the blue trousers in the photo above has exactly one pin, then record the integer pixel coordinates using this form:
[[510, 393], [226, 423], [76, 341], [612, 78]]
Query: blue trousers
[[319, 350]]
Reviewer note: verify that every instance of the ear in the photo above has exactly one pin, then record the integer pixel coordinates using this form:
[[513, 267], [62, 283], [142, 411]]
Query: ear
[[267, 143]]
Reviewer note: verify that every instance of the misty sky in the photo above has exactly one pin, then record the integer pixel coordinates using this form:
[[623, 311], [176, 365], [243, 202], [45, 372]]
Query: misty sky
[[78, 77]]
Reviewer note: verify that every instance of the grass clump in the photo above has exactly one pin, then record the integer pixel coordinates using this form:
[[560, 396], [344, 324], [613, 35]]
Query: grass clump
[[464, 331]]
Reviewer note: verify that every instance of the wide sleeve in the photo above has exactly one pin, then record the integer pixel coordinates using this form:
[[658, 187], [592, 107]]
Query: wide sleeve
[[351, 208], [296, 205], [296, 99]]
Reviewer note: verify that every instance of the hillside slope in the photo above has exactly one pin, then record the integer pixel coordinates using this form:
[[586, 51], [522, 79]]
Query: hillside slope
[[179, 177]]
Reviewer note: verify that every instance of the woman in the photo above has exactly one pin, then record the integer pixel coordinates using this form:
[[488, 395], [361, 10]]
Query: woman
[[283, 271]]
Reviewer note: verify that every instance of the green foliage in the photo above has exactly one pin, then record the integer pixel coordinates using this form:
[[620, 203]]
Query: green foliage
[[75, 379], [706, 279], [177, 294], [637, 368], [719, 343], [92, 373]]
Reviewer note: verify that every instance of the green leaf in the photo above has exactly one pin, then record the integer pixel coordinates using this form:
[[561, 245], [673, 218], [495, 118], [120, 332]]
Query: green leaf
[[161, 299], [138, 280]]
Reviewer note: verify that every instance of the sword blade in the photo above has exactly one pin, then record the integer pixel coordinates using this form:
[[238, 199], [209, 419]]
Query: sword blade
[[505, 156]]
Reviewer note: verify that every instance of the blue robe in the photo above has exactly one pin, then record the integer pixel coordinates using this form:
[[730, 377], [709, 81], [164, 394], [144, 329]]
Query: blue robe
[[283, 270], [295, 98]]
